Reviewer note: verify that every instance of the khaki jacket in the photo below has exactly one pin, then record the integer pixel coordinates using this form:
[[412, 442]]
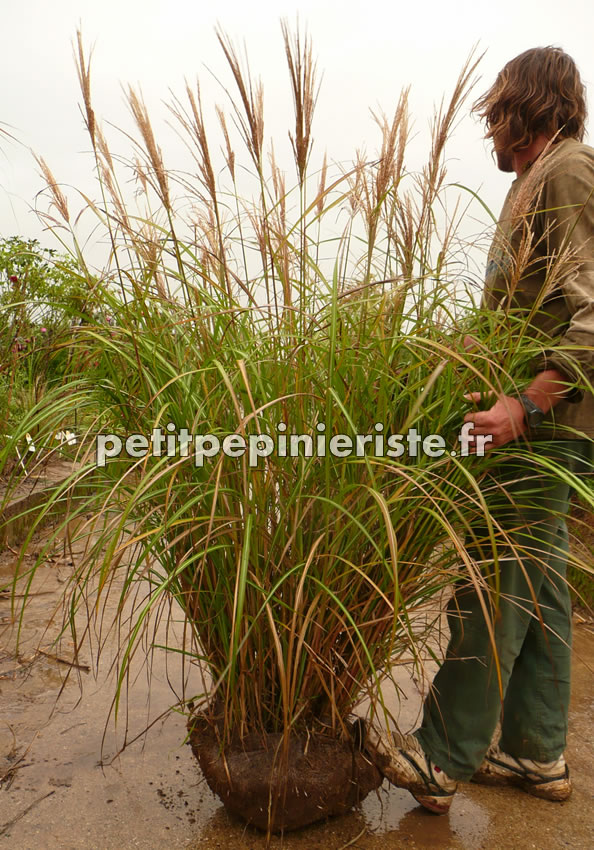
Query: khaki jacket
[[541, 267]]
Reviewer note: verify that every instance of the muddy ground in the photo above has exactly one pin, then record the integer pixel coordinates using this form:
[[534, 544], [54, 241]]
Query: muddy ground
[[63, 785]]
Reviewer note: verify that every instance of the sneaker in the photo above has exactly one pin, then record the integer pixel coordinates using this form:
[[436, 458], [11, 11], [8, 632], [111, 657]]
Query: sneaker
[[549, 780], [402, 761]]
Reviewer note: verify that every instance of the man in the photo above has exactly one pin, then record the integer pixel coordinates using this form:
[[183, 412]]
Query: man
[[541, 268]]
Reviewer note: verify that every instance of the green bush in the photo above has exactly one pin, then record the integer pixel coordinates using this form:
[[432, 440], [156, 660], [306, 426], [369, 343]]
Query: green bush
[[42, 301]]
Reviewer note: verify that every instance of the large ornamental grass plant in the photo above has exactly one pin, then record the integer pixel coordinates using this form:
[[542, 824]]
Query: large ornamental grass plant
[[239, 306]]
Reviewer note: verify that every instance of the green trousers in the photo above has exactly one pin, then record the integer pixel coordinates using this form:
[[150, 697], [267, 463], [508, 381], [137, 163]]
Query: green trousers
[[528, 690]]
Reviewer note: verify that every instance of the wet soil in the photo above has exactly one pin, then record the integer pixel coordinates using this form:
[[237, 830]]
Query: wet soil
[[65, 785], [281, 788], [20, 494]]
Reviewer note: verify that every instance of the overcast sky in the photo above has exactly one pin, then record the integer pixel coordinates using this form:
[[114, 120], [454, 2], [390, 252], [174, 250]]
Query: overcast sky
[[366, 51]]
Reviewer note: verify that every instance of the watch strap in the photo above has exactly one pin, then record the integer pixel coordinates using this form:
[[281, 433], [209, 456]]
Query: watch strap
[[533, 414]]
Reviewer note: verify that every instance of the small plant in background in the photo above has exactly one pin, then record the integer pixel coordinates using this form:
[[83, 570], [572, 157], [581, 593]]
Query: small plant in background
[[41, 300], [298, 576]]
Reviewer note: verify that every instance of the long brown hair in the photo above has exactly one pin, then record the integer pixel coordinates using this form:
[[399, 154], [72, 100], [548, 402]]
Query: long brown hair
[[540, 91]]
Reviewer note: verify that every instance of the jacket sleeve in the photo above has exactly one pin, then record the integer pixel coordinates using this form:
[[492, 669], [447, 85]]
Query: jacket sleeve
[[567, 221]]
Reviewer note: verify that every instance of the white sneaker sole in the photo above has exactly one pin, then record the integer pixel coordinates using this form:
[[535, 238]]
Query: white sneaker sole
[[556, 789]]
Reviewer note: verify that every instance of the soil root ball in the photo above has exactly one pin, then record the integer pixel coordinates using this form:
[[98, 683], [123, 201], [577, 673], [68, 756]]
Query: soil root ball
[[317, 777]]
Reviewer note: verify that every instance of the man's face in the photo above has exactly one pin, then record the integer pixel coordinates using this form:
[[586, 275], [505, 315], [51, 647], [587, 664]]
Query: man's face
[[503, 153], [504, 161]]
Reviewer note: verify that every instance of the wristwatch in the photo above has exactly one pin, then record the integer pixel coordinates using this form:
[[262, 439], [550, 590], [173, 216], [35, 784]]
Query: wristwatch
[[533, 415]]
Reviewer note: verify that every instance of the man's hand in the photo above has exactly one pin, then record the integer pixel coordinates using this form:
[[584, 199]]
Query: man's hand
[[503, 422]]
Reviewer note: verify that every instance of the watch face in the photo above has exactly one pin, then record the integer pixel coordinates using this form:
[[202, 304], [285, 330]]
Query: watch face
[[534, 415]]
